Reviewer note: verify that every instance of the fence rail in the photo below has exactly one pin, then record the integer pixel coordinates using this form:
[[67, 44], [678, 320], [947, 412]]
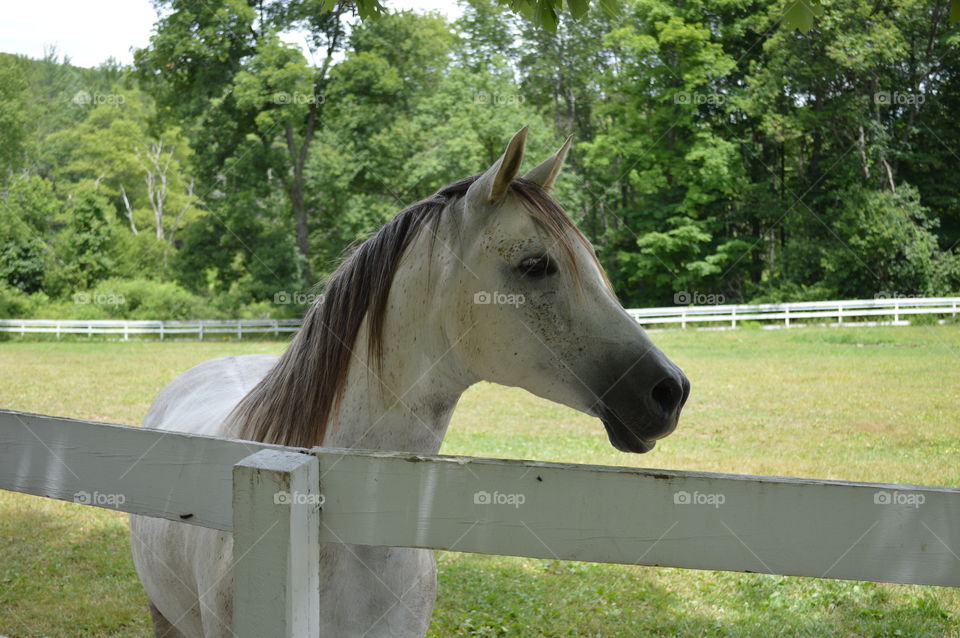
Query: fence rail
[[199, 328], [796, 313], [699, 520], [842, 312]]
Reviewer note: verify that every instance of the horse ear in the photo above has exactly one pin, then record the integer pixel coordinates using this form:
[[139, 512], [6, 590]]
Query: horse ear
[[493, 184], [545, 173]]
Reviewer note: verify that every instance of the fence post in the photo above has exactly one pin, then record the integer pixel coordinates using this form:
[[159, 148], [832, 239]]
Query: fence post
[[58, 330], [840, 313], [239, 329], [126, 327], [23, 328], [161, 330], [896, 311], [786, 316], [201, 330], [276, 327], [276, 527], [733, 318], [683, 318]]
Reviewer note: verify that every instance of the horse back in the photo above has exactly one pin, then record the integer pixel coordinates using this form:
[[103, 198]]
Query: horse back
[[199, 400]]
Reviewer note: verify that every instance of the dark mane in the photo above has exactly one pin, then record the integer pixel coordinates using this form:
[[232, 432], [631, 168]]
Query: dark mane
[[294, 402]]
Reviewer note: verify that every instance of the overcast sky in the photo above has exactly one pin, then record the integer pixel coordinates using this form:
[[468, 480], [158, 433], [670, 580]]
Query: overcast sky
[[91, 31]]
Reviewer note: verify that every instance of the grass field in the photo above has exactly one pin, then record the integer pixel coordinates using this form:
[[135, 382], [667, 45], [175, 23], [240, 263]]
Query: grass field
[[872, 404]]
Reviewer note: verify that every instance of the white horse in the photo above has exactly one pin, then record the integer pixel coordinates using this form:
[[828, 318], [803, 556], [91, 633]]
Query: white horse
[[486, 280]]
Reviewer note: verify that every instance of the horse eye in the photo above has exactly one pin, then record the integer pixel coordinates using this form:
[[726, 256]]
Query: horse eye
[[537, 267]]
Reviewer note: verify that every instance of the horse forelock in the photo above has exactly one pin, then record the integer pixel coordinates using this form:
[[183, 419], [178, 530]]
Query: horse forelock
[[293, 404]]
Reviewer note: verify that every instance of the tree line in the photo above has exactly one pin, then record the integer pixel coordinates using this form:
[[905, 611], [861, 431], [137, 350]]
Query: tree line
[[716, 155]]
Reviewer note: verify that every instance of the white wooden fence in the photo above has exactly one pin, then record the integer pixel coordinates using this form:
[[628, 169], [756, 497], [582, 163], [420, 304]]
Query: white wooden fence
[[850, 312], [699, 520], [125, 329]]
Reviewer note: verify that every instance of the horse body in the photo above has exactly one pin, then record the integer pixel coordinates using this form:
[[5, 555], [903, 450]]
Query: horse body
[[187, 570], [566, 338], [403, 402]]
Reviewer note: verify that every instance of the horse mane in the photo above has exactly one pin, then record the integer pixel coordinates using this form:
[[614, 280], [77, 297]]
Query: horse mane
[[298, 397]]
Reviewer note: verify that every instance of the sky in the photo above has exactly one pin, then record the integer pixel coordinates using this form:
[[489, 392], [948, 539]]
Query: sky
[[89, 32]]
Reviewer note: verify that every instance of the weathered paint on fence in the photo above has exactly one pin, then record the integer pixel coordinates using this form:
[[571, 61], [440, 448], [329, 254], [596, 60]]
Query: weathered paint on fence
[[276, 519], [806, 527]]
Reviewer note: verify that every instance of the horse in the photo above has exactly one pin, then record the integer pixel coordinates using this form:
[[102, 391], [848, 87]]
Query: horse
[[488, 279]]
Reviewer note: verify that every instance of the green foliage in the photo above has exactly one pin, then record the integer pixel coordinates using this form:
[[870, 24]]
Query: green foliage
[[141, 256], [27, 209], [403, 121], [888, 245], [13, 114], [252, 260], [718, 150], [800, 14], [86, 250], [15, 303], [147, 299]]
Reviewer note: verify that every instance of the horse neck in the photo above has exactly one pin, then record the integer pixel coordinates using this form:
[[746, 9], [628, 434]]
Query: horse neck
[[404, 402]]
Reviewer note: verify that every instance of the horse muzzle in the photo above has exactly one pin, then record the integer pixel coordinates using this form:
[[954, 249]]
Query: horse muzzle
[[636, 413]]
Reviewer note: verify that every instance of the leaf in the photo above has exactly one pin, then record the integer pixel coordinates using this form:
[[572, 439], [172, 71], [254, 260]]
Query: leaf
[[547, 15], [610, 7], [799, 14], [579, 8], [369, 9]]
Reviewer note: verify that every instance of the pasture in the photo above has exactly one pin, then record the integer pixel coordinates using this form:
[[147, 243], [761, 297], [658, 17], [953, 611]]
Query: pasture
[[871, 404]]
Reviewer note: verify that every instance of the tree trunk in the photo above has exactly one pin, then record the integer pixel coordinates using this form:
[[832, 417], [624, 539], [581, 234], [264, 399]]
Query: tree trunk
[[303, 232], [295, 191]]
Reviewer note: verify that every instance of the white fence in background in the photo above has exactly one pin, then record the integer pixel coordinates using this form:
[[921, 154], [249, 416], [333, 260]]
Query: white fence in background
[[852, 311], [196, 329], [883, 311], [698, 520]]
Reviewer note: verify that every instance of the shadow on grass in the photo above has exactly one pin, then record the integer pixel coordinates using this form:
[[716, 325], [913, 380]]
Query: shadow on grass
[[498, 596]]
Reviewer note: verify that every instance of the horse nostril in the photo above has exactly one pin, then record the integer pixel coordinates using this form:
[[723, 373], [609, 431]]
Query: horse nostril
[[667, 394]]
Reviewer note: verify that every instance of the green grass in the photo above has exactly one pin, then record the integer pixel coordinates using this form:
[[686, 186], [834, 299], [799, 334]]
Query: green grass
[[872, 404]]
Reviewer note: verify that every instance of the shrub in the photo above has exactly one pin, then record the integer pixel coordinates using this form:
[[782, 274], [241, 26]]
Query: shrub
[[148, 299]]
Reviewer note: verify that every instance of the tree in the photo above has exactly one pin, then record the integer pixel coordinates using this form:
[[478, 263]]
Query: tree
[[156, 162], [223, 67], [113, 152], [13, 115], [404, 119], [28, 208], [86, 247]]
